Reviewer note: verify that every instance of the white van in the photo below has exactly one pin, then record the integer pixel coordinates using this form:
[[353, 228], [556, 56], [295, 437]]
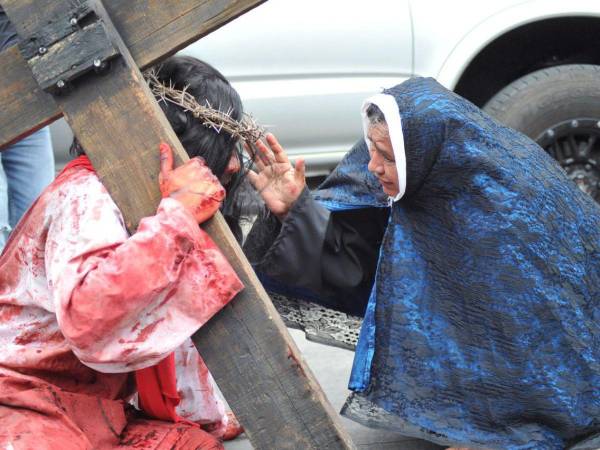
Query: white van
[[303, 68]]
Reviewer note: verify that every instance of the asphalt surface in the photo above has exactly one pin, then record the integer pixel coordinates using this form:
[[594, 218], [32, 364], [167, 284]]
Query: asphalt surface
[[332, 368]]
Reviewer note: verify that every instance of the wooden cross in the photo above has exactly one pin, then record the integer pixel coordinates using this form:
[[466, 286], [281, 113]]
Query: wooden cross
[[115, 117]]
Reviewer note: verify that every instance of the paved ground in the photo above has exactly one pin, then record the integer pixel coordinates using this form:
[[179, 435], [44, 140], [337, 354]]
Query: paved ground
[[332, 367]]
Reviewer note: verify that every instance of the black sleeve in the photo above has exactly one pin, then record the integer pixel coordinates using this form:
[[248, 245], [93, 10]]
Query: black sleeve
[[293, 256], [8, 34], [349, 259], [333, 255]]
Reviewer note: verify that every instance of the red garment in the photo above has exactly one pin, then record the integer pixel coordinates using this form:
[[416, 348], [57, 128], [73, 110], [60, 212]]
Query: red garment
[[156, 385], [39, 416], [157, 390], [83, 305], [81, 161]]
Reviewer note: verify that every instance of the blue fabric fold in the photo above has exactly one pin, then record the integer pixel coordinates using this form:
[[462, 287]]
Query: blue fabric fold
[[482, 327]]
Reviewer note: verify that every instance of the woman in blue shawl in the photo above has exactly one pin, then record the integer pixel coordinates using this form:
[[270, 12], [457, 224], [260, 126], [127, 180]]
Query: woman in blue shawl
[[475, 261]]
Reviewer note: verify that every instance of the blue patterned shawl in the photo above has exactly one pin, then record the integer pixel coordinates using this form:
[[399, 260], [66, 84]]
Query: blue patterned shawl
[[483, 324]]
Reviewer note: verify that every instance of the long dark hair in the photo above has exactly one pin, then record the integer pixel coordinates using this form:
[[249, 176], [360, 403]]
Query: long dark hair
[[209, 87]]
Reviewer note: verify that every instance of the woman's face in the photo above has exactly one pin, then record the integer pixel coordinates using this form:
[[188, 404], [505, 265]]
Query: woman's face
[[382, 163]]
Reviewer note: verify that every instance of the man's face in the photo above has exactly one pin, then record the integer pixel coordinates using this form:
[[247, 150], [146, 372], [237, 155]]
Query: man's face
[[233, 167], [382, 163]]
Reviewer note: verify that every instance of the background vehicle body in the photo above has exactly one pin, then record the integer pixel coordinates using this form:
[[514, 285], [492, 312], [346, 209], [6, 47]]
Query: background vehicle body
[[304, 68]]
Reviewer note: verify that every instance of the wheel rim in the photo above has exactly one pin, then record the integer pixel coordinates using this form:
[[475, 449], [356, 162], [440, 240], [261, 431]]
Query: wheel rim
[[575, 144]]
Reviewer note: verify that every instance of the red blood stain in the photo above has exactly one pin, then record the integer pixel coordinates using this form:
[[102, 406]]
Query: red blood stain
[[170, 294], [139, 440], [147, 331], [9, 268], [37, 254], [295, 362], [8, 312], [127, 352], [75, 215], [35, 332], [57, 336], [28, 337]]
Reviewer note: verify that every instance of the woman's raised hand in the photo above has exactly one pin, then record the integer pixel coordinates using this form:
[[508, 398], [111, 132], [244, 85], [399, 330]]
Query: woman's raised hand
[[277, 181]]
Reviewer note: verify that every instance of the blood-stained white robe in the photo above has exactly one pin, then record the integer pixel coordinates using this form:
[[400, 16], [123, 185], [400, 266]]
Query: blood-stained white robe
[[83, 305]]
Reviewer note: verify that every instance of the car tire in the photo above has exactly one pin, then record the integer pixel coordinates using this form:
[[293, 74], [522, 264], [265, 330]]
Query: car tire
[[559, 108]]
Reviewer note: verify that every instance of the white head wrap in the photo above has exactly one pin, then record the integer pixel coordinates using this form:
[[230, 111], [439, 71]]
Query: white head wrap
[[388, 106]]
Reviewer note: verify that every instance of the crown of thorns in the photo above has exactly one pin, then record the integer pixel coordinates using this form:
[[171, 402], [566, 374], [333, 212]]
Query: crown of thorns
[[245, 129]]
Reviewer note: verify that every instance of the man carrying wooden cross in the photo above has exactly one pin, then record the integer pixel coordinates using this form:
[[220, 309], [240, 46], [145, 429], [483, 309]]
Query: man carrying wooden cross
[[84, 305], [117, 121]]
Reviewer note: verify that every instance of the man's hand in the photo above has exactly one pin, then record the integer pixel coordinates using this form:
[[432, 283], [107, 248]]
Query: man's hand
[[192, 184], [277, 181]]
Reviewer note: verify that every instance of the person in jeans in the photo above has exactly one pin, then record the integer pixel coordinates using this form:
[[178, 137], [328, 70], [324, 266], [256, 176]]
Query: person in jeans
[[91, 315], [27, 166]]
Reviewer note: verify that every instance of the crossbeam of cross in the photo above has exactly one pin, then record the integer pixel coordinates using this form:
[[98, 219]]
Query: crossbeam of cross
[[115, 117]]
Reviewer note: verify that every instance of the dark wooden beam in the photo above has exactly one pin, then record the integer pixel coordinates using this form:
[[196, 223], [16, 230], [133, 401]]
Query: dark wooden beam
[[25, 107], [260, 370], [152, 30], [246, 347]]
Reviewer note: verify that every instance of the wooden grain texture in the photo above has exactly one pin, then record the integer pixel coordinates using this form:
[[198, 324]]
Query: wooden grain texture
[[25, 106], [151, 29], [72, 57], [246, 346], [256, 362]]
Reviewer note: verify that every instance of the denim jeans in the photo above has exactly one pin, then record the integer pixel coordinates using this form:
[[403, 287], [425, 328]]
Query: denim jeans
[[4, 221], [28, 168]]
